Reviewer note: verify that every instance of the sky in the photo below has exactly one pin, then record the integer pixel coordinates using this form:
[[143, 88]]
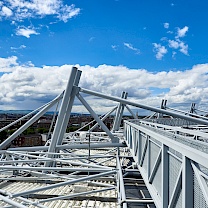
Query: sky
[[154, 50]]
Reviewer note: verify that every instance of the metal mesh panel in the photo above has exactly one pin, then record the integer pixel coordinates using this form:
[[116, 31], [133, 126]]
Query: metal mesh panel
[[171, 122], [178, 154], [157, 180], [174, 168], [156, 141], [136, 142], [201, 146], [199, 201], [145, 160], [154, 150], [143, 139], [203, 169]]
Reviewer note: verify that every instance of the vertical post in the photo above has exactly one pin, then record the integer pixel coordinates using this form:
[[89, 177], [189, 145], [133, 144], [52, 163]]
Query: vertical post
[[69, 108], [139, 146], [165, 176], [63, 108], [119, 113], [148, 157], [187, 184]]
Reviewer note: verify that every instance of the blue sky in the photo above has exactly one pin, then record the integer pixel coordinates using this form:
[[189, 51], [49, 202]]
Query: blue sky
[[155, 36], [98, 32]]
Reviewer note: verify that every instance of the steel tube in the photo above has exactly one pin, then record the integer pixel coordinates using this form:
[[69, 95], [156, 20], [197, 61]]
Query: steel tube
[[139, 105], [13, 203], [64, 183], [76, 195], [130, 111], [102, 119], [68, 109], [72, 146], [121, 183], [55, 169], [62, 112], [103, 126], [58, 160], [30, 122]]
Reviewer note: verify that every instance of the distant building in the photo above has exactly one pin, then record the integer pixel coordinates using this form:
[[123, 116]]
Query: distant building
[[28, 140]]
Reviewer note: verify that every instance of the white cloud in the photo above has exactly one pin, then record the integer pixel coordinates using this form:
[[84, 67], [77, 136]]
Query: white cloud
[[91, 39], [26, 32], [68, 12], [178, 44], [130, 46], [5, 11], [166, 25], [22, 9], [8, 64], [17, 48], [183, 48], [114, 47], [173, 44], [182, 32], [27, 86], [173, 54], [160, 51]]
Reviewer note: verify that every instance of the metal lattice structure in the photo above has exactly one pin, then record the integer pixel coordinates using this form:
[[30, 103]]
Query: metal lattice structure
[[156, 162]]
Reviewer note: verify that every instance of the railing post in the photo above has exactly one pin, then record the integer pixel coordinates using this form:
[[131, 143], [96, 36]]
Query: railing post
[[187, 184], [165, 176]]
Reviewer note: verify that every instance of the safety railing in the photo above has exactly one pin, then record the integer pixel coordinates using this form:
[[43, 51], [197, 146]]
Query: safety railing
[[175, 173]]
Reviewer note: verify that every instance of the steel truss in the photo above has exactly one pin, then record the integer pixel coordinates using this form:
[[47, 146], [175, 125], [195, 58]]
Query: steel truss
[[145, 165]]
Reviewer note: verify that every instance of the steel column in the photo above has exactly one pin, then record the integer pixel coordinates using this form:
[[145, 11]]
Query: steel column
[[61, 115]]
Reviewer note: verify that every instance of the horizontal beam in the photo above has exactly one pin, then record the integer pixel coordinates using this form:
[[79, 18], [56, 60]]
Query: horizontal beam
[[55, 169], [91, 177], [139, 105], [71, 146], [76, 195]]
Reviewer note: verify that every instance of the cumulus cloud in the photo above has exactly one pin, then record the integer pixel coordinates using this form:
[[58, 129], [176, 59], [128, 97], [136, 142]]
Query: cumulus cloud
[[166, 25], [130, 46], [173, 44], [8, 64], [182, 32], [19, 10], [160, 51], [176, 43], [5, 11], [30, 86], [26, 31]]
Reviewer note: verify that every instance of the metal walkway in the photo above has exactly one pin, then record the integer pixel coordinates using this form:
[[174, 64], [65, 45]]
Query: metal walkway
[[156, 162]]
